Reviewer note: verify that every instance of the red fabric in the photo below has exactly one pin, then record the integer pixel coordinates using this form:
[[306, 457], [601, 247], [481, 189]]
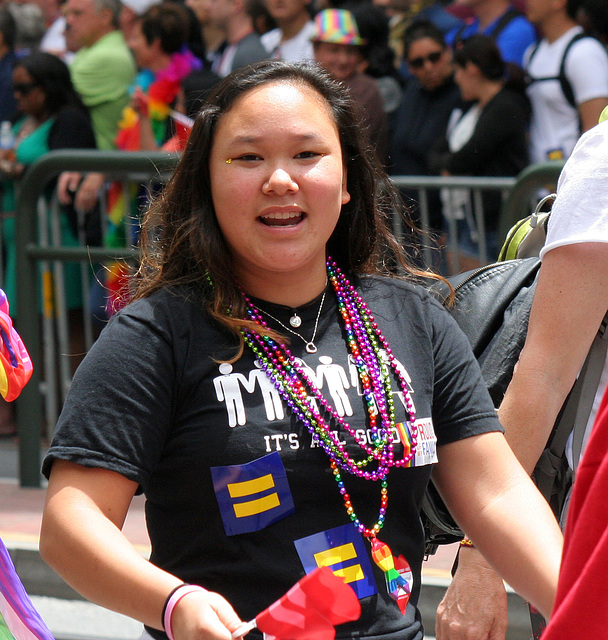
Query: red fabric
[[580, 609], [311, 608], [178, 142]]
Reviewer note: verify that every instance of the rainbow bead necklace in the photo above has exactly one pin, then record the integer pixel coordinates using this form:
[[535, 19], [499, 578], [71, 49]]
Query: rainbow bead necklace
[[374, 361]]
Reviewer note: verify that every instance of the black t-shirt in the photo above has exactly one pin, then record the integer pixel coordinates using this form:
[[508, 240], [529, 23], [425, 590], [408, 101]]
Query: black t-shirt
[[159, 400]]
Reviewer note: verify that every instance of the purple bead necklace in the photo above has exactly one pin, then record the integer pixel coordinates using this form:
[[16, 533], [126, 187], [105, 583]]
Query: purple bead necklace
[[374, 361]]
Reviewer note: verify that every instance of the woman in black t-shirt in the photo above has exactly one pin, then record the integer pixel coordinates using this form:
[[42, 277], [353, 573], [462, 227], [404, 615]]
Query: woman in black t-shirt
[[277, 395]]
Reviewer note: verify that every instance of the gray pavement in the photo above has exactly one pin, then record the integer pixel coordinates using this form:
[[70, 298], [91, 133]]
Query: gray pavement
[[79, 620]]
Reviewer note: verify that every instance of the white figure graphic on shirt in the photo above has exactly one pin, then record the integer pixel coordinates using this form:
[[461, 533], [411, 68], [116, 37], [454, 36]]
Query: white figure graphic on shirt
[[337, 381], [355, 381], [228, 390], [312, 378], [272, 398], [406, 376]]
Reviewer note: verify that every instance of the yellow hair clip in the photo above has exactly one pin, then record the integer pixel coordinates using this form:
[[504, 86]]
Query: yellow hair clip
[[229, 161]]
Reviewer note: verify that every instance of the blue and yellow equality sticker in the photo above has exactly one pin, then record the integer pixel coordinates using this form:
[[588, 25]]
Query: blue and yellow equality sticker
[[254, 495], [343, 550]]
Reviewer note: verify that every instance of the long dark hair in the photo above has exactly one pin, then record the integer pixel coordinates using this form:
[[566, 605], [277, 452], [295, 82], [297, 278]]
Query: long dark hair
[[181, 240], [52, 75], [420, 29]]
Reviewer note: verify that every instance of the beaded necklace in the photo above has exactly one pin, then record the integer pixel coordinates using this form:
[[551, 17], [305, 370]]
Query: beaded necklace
[[374, 361]]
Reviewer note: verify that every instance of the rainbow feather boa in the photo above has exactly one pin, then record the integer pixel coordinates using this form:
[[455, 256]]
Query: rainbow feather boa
[[161, 89]]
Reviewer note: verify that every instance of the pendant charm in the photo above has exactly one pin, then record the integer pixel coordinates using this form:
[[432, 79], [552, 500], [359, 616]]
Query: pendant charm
[[396, 571], [311, 347], [295, 321]]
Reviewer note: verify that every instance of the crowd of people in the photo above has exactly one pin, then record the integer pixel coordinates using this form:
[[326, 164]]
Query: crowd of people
[[274, 373]]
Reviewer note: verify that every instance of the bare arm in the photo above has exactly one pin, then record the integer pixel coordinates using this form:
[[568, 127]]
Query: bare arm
[[570, 301], [139, 102], [81, 539], [496, 503], [589, 112]]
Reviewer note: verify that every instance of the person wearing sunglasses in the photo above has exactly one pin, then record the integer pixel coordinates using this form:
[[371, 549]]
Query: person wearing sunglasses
[[338, 48], [52, 116], [428, 99]]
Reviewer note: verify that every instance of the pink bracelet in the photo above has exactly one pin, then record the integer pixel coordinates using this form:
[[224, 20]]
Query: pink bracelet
[[174, 597]]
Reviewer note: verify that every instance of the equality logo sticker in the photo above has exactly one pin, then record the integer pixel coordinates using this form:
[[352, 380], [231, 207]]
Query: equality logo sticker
[[343, 550], [254, 495]]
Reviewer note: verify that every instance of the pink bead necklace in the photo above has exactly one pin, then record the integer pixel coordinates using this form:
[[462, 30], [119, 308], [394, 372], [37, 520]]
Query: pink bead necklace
[[374, 361]]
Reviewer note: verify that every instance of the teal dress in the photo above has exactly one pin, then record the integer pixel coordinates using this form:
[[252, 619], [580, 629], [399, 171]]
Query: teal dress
[[29, 150]]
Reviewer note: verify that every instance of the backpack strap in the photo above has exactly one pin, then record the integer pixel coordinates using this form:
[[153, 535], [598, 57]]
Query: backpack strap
[[510, 14], [590, 374], [574, 415], [561, 77], [507, 17]]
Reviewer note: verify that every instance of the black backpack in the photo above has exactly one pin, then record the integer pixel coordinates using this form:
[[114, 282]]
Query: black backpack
[[491, 306]]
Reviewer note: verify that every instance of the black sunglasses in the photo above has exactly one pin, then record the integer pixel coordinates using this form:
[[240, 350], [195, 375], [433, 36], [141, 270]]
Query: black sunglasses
[[24, 87], [418, 63]]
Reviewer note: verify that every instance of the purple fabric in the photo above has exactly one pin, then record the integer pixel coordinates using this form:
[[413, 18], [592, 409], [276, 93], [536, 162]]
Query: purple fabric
[[14, 596]]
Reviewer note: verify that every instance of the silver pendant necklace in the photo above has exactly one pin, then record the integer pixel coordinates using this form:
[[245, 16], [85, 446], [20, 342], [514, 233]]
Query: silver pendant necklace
[[296, 321]]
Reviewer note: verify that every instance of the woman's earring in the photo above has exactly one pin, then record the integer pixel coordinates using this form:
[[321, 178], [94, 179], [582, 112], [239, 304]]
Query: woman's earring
[[229, 161]]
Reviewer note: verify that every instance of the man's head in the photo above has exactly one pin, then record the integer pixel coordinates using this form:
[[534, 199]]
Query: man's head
[[287, 10], [130, 12], [89, 20], [541, 11], [222, 11], [337, 43]]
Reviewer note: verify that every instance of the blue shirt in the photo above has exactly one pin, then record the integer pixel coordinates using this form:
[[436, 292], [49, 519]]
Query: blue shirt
[[513, 39]]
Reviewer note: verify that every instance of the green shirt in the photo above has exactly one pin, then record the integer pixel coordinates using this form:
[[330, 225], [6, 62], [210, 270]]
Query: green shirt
[[102, 75]]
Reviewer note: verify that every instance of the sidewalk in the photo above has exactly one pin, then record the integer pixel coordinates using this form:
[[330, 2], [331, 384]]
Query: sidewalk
[[20, 518]]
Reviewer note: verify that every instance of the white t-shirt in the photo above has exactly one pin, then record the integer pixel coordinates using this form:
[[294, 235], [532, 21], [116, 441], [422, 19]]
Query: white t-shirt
[[457, 202], [554, 128], [293, 50], [580, 214]]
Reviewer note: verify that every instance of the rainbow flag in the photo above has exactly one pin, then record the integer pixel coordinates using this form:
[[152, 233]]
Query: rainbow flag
[[19, 619]]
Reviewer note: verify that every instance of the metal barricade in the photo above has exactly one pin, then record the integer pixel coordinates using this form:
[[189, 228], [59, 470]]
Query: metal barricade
[[476, 186], [138, 167], [532, 184]]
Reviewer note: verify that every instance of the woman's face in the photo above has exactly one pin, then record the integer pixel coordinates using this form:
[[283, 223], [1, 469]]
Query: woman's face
[[145, 54], [278, 184], [28, 93], [429, 63], [468, 80]]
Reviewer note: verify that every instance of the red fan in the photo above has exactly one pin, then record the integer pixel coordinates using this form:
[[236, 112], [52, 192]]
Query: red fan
[[310, 609]]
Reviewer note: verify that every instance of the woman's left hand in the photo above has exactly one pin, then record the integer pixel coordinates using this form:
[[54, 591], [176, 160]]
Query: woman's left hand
[[475, 605], [495, 502]]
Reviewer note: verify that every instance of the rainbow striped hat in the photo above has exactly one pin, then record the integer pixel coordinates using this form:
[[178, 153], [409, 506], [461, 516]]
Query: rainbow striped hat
[[336, 26]]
